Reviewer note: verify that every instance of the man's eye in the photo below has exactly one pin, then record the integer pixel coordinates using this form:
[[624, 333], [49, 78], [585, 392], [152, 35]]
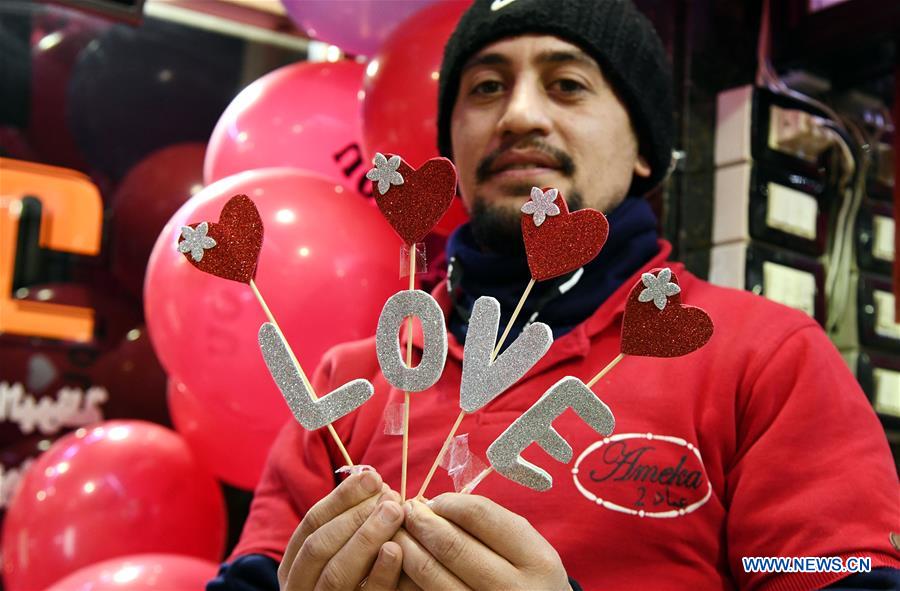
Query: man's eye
[[569, 86], [487, 87]]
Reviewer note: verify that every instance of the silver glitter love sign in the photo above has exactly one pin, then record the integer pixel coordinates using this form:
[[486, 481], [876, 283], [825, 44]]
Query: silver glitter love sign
[[312, 414], [417, 303], [483, 380], [536, 426]]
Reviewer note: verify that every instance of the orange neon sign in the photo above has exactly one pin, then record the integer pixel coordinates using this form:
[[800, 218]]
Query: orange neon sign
[[71, 221]]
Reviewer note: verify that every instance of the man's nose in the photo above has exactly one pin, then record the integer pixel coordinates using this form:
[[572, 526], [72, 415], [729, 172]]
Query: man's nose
[[526, 111]]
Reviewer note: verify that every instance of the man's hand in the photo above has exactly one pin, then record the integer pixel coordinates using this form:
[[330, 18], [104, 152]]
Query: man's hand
[[344, 540], [467, 541]]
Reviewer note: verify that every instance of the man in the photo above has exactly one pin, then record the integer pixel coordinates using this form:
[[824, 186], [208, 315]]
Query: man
[[759, 444]]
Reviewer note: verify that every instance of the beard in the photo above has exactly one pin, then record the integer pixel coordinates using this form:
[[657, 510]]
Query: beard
[[497, 227]]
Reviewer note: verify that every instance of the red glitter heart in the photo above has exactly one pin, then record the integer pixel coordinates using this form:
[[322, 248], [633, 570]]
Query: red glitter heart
[[563, 242], [674, 331], [238, 235], [416, 206]]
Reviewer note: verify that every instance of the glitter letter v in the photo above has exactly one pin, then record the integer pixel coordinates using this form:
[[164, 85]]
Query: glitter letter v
[[483, 377]]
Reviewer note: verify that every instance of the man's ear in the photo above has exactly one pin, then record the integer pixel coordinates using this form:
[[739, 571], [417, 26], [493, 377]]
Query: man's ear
[[641, 168]]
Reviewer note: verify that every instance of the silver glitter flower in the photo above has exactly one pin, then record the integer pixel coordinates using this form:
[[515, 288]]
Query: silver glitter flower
[[385, 172], [658, 288], [195, 240], [541, 205]]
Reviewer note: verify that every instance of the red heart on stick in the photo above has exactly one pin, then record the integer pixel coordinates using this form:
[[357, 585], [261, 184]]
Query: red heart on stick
[[238, 239], [672, 331], [559, 243], [416, 206]]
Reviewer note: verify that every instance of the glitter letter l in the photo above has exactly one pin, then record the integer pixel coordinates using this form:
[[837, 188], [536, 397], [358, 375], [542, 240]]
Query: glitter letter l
[[312, 414]]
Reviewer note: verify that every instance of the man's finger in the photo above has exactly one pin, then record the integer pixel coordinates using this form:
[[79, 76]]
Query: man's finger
[[349, 493], [424, 570], [385, 575], [355, 559], [406, 584], [320, 546], [507, 534], [463, 555]]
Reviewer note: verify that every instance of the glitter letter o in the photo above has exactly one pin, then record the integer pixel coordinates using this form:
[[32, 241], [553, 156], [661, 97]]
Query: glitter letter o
[[387, 346]]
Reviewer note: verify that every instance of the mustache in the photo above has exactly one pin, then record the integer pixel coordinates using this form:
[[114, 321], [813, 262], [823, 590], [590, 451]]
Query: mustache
[[566, 164]]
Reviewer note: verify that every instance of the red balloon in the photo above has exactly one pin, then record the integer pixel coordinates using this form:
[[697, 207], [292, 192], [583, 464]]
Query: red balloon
[[400, 106], [231, 448], [135, 380], [141, 572], [305, 115], [119, 488], [329, 261], [147, 197]]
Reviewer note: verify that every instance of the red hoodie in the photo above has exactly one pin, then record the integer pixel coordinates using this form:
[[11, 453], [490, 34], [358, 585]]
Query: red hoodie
[[759, 444]]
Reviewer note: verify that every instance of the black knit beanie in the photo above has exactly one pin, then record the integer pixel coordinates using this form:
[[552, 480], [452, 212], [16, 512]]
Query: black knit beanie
[[613, 32]]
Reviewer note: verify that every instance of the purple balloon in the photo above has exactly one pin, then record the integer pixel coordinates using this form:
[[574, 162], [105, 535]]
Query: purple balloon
[[357, 27]]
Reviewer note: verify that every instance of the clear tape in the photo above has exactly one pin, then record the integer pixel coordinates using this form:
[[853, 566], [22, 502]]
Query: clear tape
[[457, 453], [421, 259], [355, 469], [470, 487], [464, 467], [393, 419]]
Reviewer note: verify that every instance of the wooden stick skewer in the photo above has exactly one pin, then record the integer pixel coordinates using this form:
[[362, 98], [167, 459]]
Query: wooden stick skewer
[[462, 413], [605, 370], [440, 456], [409, 341], [334, 434], [513, 318]]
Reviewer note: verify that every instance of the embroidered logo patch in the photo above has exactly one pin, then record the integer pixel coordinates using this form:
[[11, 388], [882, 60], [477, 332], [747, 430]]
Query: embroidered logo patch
[[643, 474]]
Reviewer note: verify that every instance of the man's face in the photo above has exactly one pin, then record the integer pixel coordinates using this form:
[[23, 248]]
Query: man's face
[[537, 111]]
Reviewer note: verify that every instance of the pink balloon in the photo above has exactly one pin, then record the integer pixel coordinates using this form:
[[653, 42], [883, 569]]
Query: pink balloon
[[141, 572], [119, 488], [328, 263], [356, 27], [304, 115], [226, 445]]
